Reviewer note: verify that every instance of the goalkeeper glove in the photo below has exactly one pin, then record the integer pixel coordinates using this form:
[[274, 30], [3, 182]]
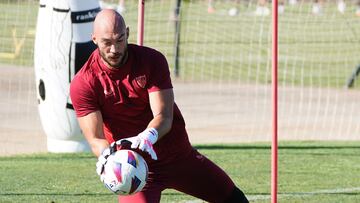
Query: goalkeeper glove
[[102, 159], [144, 141]]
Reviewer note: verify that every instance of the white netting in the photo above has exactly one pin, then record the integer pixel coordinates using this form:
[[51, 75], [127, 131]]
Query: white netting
[[225, 68], [20, 129]]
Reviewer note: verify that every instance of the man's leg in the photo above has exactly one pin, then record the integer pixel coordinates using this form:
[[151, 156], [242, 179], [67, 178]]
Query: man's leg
[[150, 194], [198, 176], [236, 196]]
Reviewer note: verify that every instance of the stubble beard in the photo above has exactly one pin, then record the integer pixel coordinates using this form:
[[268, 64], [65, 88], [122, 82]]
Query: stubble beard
[[123, 58]]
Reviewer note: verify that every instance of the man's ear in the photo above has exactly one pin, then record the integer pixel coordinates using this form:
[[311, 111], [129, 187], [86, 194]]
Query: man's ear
[[93, 38], [127, 32]]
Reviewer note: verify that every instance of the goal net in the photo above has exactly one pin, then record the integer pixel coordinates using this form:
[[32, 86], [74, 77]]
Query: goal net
[[224, 67]]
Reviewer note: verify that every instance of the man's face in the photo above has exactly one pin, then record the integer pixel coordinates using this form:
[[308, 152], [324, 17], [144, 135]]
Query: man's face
[[112, 46]]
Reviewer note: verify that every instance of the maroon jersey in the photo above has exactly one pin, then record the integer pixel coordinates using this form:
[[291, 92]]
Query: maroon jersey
[[122, 97]]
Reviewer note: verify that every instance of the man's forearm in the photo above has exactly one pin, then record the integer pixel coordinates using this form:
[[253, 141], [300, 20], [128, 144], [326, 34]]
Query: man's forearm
[[162, 124], [98, 145]]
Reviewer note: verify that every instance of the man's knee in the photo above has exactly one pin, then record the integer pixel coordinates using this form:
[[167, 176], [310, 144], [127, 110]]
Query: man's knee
[[236, 196]]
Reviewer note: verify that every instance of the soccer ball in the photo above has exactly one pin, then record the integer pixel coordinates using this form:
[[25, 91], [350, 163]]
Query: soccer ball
[[125, 172]]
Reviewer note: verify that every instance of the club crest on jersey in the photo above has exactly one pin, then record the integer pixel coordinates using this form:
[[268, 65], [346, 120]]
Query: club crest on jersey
[[141, 81]]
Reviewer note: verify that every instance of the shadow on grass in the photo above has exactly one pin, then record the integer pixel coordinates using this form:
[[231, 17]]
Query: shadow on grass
[[251, 147], [320, 193]]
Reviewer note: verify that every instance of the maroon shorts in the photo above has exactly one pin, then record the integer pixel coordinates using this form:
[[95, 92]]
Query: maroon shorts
[[191, 173]]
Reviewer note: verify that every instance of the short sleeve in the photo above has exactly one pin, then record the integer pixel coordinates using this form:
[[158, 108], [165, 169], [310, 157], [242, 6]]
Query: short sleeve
[[159, 74], [83, 97]]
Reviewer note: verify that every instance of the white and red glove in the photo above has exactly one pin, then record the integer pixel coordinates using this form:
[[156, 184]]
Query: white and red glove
[[102, 159], [144, 141]]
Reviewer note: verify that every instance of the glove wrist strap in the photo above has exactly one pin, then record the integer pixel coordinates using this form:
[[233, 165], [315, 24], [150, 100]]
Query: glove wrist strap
[[151, 134]]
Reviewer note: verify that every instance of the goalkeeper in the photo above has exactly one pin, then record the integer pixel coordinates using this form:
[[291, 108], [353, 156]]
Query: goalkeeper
[[124, 92]]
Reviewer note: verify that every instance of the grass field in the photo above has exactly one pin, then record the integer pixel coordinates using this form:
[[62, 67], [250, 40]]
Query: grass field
[[313, 50], [308, 172]]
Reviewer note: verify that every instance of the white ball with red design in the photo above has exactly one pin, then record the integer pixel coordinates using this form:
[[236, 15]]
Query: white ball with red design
[[125, 172]]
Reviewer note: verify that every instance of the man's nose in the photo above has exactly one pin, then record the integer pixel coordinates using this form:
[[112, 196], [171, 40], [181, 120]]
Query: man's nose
[[114, 48]]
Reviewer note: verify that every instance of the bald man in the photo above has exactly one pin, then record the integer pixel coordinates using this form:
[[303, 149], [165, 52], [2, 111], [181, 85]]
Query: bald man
[[124, 92]]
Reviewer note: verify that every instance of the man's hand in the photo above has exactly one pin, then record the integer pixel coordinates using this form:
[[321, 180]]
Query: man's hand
[[102, 159], [100, 164], [144, 141]]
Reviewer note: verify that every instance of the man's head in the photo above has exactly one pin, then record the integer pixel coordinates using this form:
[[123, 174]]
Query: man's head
[[110, 35]]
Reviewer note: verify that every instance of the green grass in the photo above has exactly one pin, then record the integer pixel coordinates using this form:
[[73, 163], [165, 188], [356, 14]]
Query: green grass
[[317, 51], [308, 172]]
